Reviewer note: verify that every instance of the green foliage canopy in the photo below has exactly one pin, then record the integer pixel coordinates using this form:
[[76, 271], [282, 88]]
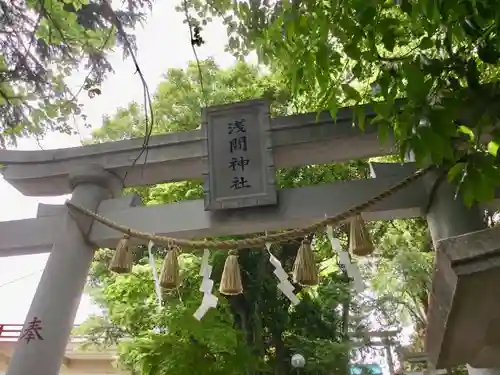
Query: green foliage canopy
[[440, 56], [42, 42]]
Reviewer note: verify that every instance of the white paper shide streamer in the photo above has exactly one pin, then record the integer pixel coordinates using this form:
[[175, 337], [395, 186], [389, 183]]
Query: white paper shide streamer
[[152, 264], [284, 284], [207, 284], [352, 269]]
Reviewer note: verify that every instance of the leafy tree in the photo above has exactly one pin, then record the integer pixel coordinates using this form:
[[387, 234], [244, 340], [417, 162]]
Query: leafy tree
[[256, 332], [179, 98], [441, 56], [402, 271], [42, 42], [399, 272]]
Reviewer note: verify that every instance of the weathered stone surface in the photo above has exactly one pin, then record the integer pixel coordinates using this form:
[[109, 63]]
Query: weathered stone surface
[[238, 160], [464, 311]]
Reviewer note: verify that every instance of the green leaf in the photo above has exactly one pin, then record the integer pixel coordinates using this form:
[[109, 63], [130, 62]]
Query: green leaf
[[456, 171], [357, 70], [389, 40], [417, 87], [382, 130], [51, 111], [483, 190], [359, 112], [493, 148], [434, 144], [431, 10], [367, 15], [382, 109], [426, 43], [351, 92], [352, 51], [467, 191], [467, 131], [421, 150]]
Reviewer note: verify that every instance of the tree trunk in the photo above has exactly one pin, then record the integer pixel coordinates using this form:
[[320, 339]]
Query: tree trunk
[[280, 367]]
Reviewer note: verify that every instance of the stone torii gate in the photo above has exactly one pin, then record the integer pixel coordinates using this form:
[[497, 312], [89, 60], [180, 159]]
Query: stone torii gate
[[94, 176]]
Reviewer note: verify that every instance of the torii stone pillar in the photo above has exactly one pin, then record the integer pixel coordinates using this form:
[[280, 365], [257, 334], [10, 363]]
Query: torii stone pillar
[[448, 217], [60, 289]]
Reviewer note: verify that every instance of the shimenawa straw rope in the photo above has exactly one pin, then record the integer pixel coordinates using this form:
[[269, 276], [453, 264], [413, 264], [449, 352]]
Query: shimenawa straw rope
[[254, 242]]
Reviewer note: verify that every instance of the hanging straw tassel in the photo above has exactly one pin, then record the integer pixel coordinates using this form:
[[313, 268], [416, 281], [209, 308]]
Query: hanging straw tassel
[[170, 277], [305, 270], [360, 243], [123, 257], [230, 283]]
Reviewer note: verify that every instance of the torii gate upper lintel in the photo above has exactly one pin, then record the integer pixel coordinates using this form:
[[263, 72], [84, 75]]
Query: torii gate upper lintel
[[304, 139]]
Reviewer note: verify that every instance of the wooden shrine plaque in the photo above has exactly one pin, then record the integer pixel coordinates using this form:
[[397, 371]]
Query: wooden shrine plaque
[[464, 312], [238, 161]]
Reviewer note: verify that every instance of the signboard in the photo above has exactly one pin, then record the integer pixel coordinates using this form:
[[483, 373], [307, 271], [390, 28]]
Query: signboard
[[238, 162], [365, 369]]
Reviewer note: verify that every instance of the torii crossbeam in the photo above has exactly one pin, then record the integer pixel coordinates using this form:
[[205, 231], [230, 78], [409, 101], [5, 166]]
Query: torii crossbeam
[[298, 207]]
